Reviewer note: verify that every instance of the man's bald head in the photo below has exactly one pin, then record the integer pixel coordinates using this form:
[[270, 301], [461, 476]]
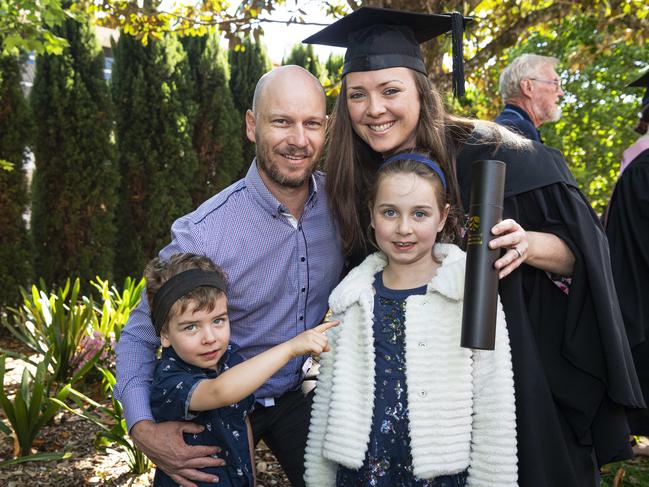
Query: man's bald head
[[289, 77], [287, 124]]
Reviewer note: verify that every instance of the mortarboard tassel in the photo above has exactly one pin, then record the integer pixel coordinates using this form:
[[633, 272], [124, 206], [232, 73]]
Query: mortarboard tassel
[[457, 32]]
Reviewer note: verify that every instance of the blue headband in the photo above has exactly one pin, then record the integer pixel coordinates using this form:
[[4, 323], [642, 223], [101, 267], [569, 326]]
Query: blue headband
[[409, 156]]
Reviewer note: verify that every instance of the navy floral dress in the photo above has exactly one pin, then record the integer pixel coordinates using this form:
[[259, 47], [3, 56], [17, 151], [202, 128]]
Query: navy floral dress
[[173, 382], [388, 462]]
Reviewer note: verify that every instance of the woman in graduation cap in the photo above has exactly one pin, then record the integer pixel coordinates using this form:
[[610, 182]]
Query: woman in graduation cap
[[572, 365], [627, 228]]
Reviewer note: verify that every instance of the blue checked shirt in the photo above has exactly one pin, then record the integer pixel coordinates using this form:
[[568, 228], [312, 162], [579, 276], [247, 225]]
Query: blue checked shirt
[[280, 275]]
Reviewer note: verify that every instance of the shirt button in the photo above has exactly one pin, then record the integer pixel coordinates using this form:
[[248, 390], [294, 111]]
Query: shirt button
[[301, 318], [423, 393], [422, 344], [302, 258], [303, 289]]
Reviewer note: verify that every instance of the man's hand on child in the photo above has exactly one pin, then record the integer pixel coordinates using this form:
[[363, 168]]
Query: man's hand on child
[[164, 444], [312, 341]]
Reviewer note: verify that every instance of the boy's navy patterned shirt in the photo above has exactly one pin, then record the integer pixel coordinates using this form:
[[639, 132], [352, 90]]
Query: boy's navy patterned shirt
[[174, 381]]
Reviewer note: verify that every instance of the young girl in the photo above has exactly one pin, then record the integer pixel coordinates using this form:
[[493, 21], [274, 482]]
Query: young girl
[[399, 402]]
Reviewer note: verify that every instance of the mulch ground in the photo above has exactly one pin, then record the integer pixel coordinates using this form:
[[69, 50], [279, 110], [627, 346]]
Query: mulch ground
[[88, 466]]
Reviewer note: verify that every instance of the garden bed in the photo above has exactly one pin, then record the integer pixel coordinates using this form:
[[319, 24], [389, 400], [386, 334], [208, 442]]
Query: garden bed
[[88, 466]]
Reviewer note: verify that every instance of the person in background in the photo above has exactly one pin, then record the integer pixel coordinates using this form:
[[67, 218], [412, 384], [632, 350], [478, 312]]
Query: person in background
[[627, 226], [531, 89]]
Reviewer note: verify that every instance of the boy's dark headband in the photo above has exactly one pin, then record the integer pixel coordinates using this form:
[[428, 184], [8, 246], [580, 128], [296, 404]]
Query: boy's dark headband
[[177, 287], [409, 156]]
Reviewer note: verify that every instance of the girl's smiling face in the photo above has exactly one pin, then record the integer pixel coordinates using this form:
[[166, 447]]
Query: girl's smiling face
[[384, 108], [406, 218]]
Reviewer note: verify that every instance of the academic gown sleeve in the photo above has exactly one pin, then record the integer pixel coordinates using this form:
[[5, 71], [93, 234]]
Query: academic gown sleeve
[[580, 338]]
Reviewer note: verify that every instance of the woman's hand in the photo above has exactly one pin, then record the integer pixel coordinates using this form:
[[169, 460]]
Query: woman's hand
[[544, 251], [512, 237]]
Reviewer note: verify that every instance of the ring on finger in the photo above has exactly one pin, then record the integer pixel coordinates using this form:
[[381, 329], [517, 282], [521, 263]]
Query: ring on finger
[[517, 252]]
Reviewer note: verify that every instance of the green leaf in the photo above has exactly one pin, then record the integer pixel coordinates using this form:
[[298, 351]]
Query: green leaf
[[39, 457], [4, 164]]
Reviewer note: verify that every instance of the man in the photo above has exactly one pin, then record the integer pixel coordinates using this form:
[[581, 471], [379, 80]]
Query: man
[[627, 229], [273, 235], [531, 89]]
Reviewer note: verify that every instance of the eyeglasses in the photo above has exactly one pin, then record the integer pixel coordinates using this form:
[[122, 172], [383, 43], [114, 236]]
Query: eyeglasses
[[555, 82]]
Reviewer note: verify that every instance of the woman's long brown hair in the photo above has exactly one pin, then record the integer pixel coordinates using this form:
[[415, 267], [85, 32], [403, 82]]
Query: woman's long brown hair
[[351, 164]]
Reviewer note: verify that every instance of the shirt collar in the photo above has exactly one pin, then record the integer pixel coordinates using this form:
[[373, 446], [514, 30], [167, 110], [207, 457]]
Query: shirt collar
[[520, 111], [525, 115], [265, 198], [640, 145]]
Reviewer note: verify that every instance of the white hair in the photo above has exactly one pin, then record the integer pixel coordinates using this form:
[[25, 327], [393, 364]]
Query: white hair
[[524, 66]]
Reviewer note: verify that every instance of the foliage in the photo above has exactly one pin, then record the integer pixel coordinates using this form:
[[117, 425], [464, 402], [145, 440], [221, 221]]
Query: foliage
[[632, 473], [30, 25], [151, 20], [157, 162], [247, 65], [15, 266], [334, 69], [75, 179], [304, 55], [26, 25], [37, 457], [116, 305], [216, 133], [113, 431], [55, 326], [30, 409]]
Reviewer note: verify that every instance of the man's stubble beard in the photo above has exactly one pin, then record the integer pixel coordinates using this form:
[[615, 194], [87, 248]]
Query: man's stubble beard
[[275, 175]]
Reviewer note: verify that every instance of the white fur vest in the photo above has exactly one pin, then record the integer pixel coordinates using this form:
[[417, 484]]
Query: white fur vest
[[461, 402]]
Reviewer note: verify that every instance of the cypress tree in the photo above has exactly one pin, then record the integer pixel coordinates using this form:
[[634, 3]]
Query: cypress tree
[[157, 163], [14, 133], [217, 126], [75, 179], [334, 68], [247, 65], [304, 55]]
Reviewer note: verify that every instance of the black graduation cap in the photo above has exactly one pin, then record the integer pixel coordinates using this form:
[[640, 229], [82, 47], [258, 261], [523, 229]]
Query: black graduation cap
[[642, 82], [380, 38]]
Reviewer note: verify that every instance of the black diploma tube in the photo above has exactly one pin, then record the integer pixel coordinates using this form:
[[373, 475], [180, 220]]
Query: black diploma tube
[[481, 278]]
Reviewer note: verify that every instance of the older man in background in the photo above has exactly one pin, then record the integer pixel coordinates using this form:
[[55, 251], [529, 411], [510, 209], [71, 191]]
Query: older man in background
[[531, 89]]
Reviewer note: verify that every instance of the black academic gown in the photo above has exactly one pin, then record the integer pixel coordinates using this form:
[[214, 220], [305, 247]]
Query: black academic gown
[[573, 370], [627, 228]]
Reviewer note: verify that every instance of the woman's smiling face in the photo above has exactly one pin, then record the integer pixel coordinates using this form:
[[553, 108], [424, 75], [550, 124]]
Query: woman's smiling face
[[384, 108]]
